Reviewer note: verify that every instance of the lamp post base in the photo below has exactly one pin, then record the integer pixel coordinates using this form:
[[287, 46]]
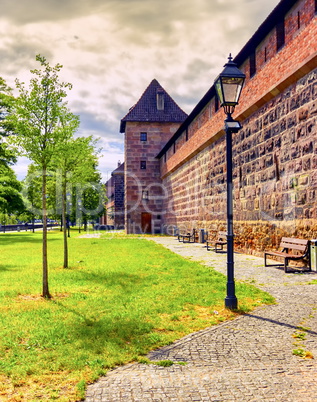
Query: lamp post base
[[231, 302]]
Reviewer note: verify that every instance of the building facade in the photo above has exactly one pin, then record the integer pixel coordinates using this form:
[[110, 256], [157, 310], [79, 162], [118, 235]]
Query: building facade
[[275, 154], [148, 126], [114, 215]]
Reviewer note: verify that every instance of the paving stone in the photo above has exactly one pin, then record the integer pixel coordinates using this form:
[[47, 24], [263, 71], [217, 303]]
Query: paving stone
[[246, 359]]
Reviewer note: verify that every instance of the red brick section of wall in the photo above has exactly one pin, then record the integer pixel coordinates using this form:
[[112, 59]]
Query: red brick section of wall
[[293, 61]]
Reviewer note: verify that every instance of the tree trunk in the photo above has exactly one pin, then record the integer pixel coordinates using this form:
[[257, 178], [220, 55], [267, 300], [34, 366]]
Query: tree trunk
[[64, 224], [46, 292]]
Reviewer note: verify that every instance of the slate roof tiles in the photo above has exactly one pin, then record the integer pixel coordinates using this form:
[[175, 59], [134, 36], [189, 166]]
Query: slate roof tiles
[[146, 108]]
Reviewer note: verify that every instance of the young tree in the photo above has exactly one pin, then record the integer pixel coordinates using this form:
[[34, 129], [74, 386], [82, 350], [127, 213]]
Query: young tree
[[42, 123], [75, 165], [93, 201]]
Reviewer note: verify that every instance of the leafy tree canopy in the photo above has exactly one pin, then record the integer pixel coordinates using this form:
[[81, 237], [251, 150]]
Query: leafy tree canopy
[[41, 117], [10, 187]]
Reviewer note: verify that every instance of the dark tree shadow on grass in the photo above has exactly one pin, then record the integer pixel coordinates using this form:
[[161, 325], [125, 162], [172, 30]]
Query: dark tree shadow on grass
[[14, 238], [8, 267], [117, 331], [115, 278]]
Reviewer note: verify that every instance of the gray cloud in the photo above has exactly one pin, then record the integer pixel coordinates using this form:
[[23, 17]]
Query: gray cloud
[[30, 11], [16, 51]]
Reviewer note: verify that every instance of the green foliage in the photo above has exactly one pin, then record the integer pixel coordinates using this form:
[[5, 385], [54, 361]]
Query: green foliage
[[164, 363], [10, 187], [72, 178], [32, 189], [76, 177], [300, 336], [40, 117], [81, 389], [6, 104], [6, 219], [299, 352]]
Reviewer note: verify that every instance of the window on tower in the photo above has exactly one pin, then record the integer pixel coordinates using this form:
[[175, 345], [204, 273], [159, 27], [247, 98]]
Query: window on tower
[[143, 136]]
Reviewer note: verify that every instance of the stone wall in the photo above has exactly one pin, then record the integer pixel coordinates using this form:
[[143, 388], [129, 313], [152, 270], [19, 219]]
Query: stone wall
[[274, 175]]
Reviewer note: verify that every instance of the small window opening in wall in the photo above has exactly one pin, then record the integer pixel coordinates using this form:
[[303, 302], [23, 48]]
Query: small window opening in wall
[[145, 195], [298, 20], [143, 136], [142, 164], [280, 35], [277, 169], [158, 217], [240, 176], [160, 99], [210, 111], [216, 104], [252, 64]]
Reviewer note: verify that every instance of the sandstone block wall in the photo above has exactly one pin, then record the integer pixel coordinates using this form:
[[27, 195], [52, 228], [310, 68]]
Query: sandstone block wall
[[274, 175]]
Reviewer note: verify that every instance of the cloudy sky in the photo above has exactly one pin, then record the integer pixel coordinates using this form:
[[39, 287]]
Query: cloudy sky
[[112, 49]]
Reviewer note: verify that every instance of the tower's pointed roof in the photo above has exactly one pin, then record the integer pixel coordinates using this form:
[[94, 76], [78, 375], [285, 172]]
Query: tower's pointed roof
[[146, 109]]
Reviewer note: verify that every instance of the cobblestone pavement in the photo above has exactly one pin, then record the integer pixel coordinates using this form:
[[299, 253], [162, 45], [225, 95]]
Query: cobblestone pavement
[[247, 359]]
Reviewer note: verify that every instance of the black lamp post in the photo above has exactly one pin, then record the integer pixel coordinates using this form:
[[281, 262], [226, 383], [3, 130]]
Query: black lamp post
[[228, 86]]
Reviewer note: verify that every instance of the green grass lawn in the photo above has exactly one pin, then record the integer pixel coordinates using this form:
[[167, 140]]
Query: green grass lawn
[[121, 297]]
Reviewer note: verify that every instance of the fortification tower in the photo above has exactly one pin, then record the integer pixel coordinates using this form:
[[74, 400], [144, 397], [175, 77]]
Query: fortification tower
[[148, 125]]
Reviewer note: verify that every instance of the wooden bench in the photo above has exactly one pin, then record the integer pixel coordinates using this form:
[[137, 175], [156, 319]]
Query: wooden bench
[[292, 249], [188, 237], [218, 243], [180, 235]]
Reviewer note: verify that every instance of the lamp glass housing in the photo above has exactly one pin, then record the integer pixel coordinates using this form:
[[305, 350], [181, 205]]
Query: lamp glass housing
[[229, 84]]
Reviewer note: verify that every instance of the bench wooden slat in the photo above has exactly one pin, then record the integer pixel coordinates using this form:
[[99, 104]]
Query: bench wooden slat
[[284, 254], [299, 247], [294, 240]]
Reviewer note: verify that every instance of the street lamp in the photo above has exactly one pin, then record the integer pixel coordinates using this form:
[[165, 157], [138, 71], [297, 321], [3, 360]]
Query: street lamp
[[228, 87]]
